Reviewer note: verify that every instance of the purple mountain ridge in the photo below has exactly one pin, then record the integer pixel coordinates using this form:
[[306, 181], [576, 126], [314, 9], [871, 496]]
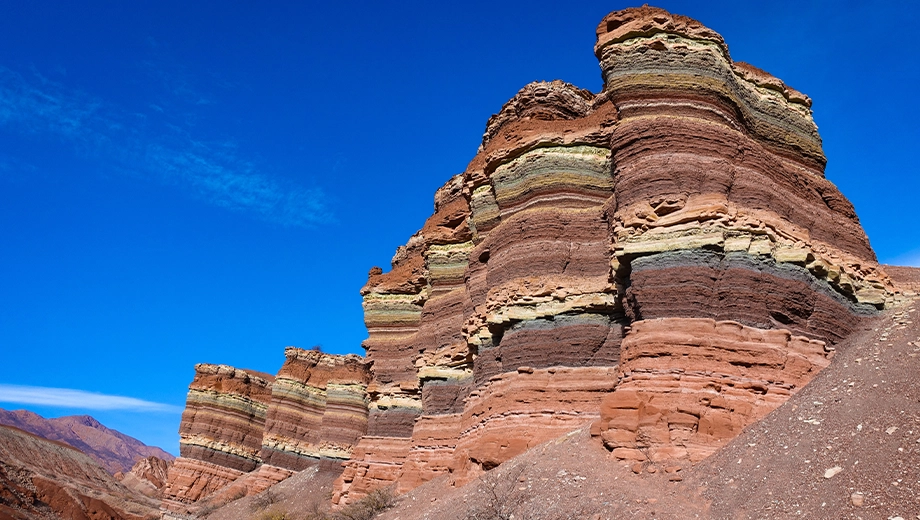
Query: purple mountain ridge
[[113, 450]]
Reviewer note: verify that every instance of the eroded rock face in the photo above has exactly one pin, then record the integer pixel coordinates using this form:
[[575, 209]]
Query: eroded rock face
[[664, 258], [689, 385], [221, 430], [243, 431], [906, 278], [148, 476], [318, 409], [225, 416], [190, 480]]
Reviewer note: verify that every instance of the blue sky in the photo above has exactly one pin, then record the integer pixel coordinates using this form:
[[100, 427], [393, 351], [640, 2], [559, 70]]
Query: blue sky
[[183, 185]]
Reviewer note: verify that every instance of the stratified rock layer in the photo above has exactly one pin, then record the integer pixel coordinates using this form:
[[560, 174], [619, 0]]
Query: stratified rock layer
[[664, 258], [318, 409], [906, 278], [690, 385], [225, 416], [244, 431], [221, 430]]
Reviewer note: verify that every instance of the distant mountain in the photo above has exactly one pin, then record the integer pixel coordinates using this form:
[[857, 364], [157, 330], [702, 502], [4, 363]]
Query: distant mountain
[[42, 479], [113, 450]]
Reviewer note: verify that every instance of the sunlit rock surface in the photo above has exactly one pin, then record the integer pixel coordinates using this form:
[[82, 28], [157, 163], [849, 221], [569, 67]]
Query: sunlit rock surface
[[663, 260], [243, 431]]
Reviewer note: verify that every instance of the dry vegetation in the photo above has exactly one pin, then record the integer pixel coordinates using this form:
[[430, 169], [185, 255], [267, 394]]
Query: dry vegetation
[[367, 508]]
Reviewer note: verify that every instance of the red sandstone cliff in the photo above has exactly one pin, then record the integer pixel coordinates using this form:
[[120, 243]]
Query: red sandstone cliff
[[221, 430], [663, 260], [244, 431]]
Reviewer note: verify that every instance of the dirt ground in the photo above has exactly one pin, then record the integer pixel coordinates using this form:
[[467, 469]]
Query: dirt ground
[[301, 496]]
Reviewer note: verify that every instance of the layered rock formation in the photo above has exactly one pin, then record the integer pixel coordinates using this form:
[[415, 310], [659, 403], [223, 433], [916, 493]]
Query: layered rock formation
[[720, 211], [690, 385], [664, 257], [664, 260], [221, 430], [113, 450], [244, 431], [906, 278], [318, 409]]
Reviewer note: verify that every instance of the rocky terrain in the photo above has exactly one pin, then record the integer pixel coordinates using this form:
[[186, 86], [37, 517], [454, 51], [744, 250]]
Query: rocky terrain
[[111, 449], [45, 479], [846, 446], [147, 477], [645, 302], [659, 267]]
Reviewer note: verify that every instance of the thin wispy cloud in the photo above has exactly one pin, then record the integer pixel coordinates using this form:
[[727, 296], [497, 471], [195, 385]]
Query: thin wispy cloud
[[78, 399], [38, 106], [125, 141]]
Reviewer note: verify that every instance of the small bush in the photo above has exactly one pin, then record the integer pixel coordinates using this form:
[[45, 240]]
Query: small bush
[[502, 500], [274, 514], [373, 504]]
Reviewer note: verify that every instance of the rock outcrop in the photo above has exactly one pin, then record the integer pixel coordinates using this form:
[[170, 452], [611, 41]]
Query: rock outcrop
[[148, 476], [690, 385], [663, 260], [836, 449], [318, 409], [906, 278], [113, 450], [244, 431], [221, 430]]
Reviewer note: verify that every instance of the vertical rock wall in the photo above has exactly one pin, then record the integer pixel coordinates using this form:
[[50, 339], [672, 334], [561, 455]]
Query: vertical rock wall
[[243, 431], [318, 409], [220, 435], [664, 258], [720, 211], [421, 366]]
